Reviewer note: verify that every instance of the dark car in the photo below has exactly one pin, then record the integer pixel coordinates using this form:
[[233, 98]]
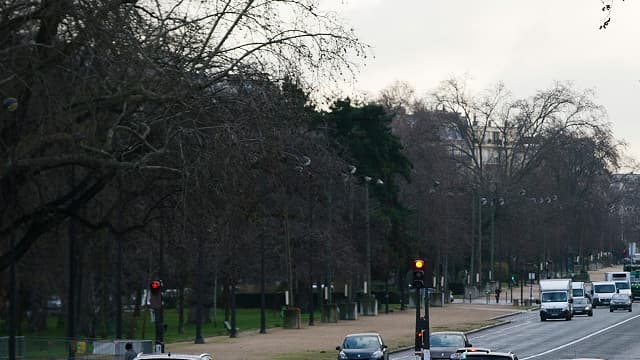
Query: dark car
[[444, 343], [582, 306], [363, 346], [620, 302]]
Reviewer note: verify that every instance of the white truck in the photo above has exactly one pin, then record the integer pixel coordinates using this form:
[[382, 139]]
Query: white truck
[[622, 280], [556, 299], [601, 292], [578, 289]]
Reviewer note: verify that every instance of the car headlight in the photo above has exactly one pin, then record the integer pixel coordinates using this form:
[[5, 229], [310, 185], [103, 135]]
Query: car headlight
[[377, 355], [342, 355]]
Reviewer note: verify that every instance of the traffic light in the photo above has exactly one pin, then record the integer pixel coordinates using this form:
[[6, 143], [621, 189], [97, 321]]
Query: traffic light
[[418, 273], [155, 288], [513, 278]]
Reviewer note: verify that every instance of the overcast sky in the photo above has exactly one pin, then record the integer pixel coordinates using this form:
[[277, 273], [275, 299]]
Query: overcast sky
[[526, 44]]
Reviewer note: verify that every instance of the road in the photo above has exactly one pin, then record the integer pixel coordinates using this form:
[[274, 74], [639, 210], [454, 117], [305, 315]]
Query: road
[[612, 336]]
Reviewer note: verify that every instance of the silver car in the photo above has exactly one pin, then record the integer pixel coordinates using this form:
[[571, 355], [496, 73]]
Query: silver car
[[582, 306]]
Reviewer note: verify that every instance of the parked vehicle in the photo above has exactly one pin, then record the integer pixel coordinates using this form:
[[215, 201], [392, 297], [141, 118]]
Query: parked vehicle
[[443, 343], [622, 280], [363, 346], [620, 302], [556, 298], [582, 306], [602, 292]]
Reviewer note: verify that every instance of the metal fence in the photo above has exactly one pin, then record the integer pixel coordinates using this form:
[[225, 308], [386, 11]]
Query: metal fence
[[34, 348]]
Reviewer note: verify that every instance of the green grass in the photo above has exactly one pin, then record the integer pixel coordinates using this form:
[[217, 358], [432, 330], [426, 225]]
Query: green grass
[[142, 328]]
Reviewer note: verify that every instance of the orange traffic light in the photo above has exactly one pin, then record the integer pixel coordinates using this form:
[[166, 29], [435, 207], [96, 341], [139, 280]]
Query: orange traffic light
[[418, 273]]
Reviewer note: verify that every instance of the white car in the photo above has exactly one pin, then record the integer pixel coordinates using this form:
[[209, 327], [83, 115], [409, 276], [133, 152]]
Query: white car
[[172, 356]]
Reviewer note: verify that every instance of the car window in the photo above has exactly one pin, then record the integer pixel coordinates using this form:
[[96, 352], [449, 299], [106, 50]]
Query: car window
[[620, 297], [608, 288], [554, 296], [580, 301], [361, 342], [622, 285], [446, 340]]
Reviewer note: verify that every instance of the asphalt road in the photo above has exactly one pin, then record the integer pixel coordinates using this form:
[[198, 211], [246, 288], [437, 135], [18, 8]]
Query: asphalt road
[[611, 336]]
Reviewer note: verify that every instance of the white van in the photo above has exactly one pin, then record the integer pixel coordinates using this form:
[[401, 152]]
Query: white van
[[602, 291]]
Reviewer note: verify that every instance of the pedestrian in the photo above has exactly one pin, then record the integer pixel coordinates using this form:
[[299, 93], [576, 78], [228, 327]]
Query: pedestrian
[[498, 291], [129, 353]]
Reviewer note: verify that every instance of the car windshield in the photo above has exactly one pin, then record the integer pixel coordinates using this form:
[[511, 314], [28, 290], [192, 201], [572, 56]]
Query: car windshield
[[578, 292], [619, 297], [361, 342], [554, 296], [446, 340], [608, 288], [622, 285], [580, 301]]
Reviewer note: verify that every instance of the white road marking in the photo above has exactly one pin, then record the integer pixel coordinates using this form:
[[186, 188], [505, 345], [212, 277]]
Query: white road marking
[[503, 329], [581, 339]]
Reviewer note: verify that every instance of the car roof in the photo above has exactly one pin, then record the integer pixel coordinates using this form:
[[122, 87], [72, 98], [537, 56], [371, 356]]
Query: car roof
[[473, 349], [364, 334], [491, 353], [447, 332], [169, 355]]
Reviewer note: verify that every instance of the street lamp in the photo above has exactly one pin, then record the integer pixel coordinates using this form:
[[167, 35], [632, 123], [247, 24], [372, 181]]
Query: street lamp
[[304, 169], [10, 104], [367, 284]]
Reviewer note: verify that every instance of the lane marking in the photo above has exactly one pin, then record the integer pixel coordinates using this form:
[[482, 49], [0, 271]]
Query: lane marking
[[581, 339], [502, 329]]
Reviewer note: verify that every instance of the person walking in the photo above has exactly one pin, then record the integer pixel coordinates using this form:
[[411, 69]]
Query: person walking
[[498, 291], [129, 353]]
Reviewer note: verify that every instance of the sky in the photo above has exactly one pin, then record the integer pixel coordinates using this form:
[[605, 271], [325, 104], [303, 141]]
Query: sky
[[525, 44]]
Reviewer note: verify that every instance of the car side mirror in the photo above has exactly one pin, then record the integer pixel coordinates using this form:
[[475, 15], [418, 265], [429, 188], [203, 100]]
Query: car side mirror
[[338, 348], [384, 347], [469, 344], [570, 301]]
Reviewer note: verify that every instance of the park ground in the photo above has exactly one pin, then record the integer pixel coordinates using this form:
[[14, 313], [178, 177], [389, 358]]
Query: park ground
[[320, 340]]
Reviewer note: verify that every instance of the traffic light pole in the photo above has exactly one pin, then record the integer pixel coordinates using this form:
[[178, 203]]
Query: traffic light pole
[[418, 342]]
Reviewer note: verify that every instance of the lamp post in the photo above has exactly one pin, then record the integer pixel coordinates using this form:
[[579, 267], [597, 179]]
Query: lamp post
[[495, 202], [368, 284], [304, 169], [10, 104], [347, 181]]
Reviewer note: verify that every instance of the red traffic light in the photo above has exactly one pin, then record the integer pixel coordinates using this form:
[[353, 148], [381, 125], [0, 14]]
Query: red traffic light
[[155, 285], [418, 264]]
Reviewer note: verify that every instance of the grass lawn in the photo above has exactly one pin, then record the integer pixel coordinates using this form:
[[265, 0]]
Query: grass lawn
[[142, 328]]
